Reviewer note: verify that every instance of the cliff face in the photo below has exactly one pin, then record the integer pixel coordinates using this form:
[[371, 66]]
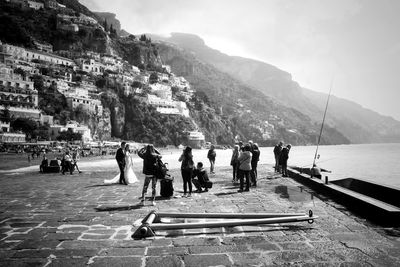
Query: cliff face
[[111, 19], [363, 126], [138, 53], [116, 109]]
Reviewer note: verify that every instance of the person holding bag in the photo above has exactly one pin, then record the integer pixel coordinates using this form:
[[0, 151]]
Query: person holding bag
[[187, 170]]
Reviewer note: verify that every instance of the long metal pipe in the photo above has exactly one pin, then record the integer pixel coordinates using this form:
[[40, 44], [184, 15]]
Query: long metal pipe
[[227, 215], [167, 226]]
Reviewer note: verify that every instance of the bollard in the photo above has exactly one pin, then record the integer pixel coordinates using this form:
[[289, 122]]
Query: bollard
[[326, 179]]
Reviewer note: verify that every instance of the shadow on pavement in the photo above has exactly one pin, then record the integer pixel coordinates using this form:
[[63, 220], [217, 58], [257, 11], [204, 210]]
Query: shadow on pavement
[[226, 193], [119, 208]]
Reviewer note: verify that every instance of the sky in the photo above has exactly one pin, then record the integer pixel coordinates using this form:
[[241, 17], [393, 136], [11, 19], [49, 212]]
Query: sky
[[354, 43]]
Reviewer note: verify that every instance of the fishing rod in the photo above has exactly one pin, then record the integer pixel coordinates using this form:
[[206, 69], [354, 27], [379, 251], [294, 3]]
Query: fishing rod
[[323, 121]]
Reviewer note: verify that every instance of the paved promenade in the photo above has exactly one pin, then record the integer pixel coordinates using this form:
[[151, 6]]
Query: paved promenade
[[64, 220]]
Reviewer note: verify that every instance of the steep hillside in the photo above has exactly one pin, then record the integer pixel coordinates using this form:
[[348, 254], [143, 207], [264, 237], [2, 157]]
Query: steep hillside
[[364, 126], [246, 111]]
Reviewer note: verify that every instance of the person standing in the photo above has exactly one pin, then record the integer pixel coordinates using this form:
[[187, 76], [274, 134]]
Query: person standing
[[120, 157], [245, 167], [234, 163], [211, 155], [187, 170], [149, 155], [130, 176], [75, 159], [277, 153], [67, 163], [44, 164], [283, 159], [254, 162]]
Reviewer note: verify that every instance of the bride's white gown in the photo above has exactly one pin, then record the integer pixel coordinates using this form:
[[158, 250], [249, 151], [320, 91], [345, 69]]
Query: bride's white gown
[[130, 176]]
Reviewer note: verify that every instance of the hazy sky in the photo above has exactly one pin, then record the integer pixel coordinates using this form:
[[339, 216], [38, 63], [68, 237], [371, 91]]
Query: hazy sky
[[355, 41]]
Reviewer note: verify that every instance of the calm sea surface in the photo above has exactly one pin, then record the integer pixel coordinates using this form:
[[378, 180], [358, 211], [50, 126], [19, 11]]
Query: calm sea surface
[[374, 162]]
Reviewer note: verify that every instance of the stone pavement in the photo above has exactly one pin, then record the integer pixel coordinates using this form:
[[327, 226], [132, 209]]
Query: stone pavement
[[63, 220]]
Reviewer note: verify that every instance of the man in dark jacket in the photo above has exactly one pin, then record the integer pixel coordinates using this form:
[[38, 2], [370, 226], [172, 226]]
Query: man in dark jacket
[[149, 155], [254, 162], [211, 155], [200, 178], [283, 158], [277, 153], [120, 157]]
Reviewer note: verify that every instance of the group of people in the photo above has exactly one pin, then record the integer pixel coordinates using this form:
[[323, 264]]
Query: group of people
[[68, 162], [191, 174], [281, 154], [195, 174], [244, 163]]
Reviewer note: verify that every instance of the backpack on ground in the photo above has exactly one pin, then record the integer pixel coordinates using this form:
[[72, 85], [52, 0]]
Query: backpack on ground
[[167, 186]]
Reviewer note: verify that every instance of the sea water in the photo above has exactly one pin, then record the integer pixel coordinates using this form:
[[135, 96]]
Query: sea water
[[378, 163]]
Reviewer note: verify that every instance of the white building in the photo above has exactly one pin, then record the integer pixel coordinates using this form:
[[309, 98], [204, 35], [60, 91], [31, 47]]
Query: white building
[[29, 55], [161, 90], [56, 129], [4, 126], [168, 106], [35, 5], [18, 95], [91, 66], [92, 106], [7, 137]]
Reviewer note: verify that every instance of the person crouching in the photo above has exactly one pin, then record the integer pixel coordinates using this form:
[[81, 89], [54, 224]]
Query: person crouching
[[200, 178]]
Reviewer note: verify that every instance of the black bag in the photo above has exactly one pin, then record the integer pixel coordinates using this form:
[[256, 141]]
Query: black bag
[[208, 184], [167, 187]]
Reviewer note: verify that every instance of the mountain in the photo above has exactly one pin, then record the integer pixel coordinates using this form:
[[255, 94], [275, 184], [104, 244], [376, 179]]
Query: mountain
[[362, 126], [246, 112]]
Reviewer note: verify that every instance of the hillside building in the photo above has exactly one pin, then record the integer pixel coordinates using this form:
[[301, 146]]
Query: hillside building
[[18, 52], [56, 129], [90, 66], [48, 48], [196, 139], [167, 106], [161, 90], [51, 4], [8, 137], [35, 5], [18, 95], [89, 105]]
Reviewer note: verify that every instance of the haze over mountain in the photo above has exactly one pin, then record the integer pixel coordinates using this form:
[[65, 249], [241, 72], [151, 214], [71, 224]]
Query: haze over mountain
[[358, 124]]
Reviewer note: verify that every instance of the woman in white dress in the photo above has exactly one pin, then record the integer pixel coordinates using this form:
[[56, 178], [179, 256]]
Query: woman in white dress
[[130, 176]]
